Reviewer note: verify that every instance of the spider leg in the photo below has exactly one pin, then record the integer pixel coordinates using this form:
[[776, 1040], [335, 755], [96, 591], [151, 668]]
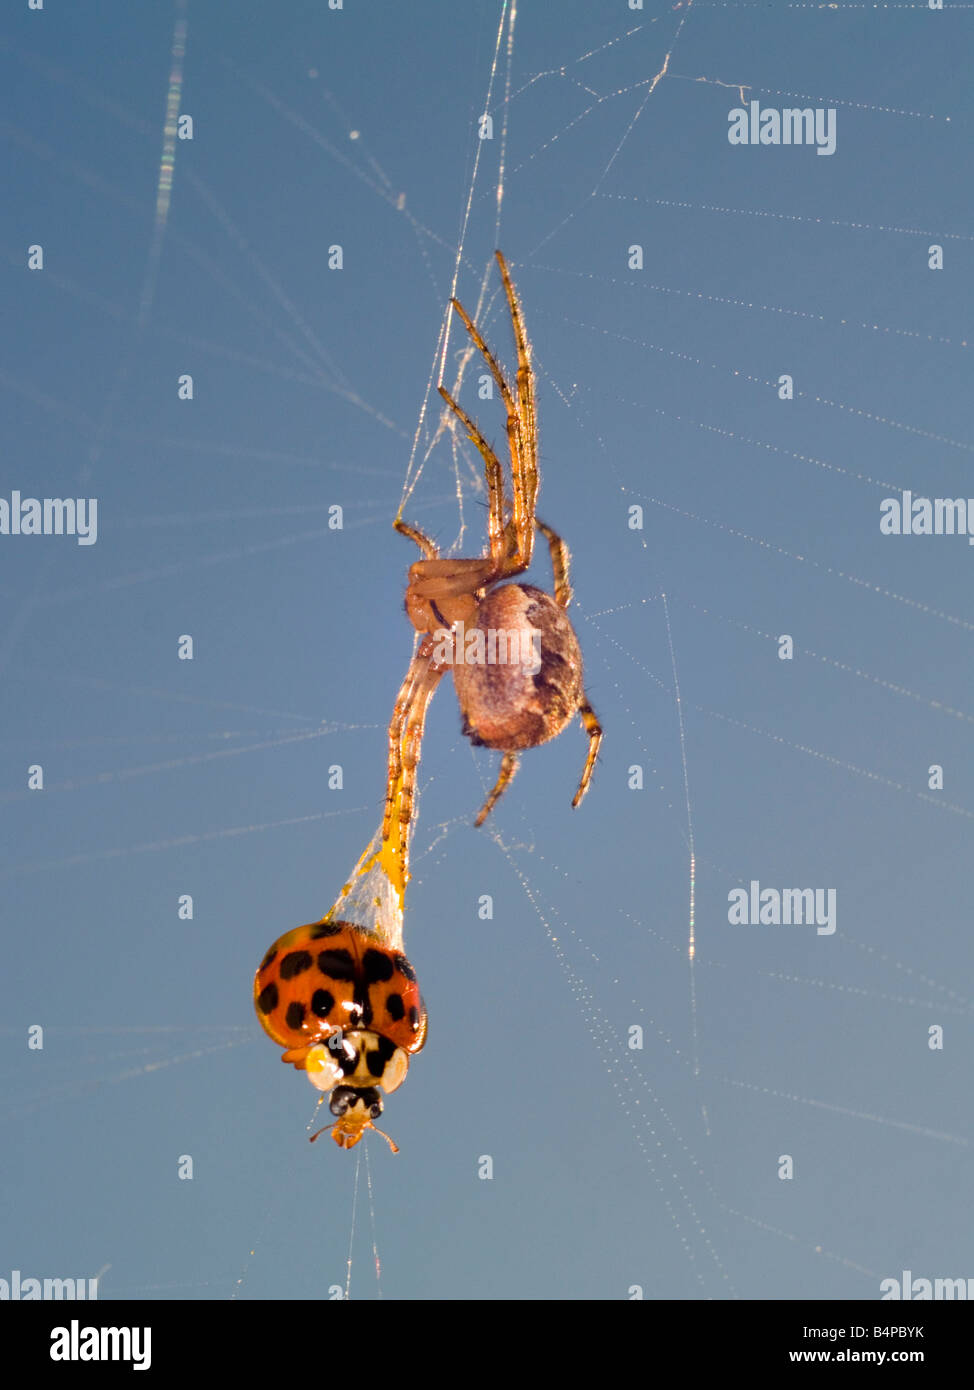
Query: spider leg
[[413, 533], [495, 479], [524, 469], [405, 740], [396, 725], [560, 561], [504, 778], [411, 747], [594, 730], [519, 553]]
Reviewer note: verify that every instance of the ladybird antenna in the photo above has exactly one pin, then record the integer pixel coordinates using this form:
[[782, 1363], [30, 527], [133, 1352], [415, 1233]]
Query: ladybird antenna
[[393, 1147]]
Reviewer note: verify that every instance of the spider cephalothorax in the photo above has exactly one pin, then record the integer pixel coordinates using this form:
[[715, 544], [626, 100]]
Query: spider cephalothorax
[[516, 663]]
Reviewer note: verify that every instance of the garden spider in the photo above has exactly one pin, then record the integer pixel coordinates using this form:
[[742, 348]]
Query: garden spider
[[506, 704]]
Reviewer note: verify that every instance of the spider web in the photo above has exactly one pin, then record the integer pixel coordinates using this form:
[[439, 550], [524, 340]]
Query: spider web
[[616, 1168]]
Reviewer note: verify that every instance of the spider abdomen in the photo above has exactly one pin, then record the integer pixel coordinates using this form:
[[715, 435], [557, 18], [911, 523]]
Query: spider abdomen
[[520, 681]]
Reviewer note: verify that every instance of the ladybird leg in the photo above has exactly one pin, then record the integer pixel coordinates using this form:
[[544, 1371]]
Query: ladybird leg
[[495, 480], [560, 560], [413, 533], [504, 778], [594, 730]]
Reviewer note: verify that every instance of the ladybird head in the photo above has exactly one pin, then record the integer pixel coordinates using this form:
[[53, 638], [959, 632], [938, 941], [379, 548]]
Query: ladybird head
[[355, 1108]]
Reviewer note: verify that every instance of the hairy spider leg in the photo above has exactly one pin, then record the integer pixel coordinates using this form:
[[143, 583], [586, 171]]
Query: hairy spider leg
[[509, 765], [594, 730], [495, 481], [412, 743], [560, 563], [403, 700], [524, 471], [405, 741], [413, 533], [525, 392]]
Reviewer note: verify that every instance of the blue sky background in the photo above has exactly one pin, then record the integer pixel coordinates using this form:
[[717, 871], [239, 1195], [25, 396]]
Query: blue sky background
[[612, 1167]]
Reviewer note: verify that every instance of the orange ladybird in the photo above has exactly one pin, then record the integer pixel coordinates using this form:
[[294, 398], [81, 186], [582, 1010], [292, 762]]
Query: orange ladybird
[[349, 1013]]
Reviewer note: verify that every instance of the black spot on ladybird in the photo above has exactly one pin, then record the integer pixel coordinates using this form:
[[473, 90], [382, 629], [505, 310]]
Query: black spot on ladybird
[[295, 1015], [376, 966], [322, 1003], [414, 1019], [321, 929], [294, 963], [337, 964], [267, 999], [402, 964], [397, 1009], [268, 958]]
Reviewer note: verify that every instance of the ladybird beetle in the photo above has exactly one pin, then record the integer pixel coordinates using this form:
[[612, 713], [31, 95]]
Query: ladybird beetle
[[348, 1011]]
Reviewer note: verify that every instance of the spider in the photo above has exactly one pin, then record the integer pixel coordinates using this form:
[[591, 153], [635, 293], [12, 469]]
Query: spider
[[518, 692]]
